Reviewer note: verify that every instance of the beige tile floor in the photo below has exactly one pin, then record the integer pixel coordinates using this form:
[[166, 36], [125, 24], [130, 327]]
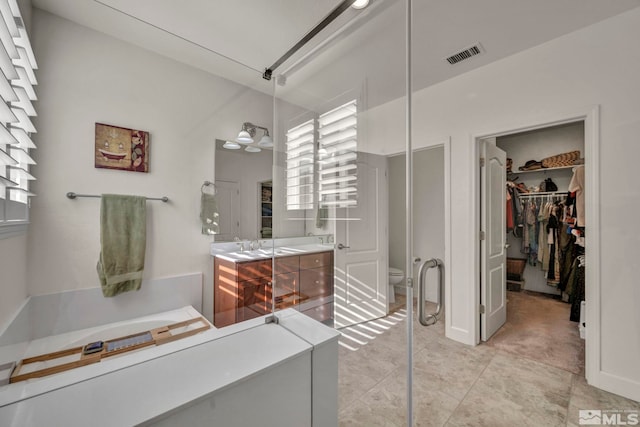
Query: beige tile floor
[[455, 384]]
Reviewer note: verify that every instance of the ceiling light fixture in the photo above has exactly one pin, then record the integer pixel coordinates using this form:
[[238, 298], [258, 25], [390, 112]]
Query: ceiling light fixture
[[360, 4]]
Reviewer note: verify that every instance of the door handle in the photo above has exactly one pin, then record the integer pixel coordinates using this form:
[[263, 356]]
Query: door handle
[[506, 246], [341, 246]]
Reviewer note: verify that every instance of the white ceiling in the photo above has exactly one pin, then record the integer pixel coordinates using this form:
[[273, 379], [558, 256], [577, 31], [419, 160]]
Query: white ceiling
[[237, 39]]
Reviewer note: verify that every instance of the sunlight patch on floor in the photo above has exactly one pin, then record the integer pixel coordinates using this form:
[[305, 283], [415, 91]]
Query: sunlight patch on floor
[[355, 337]]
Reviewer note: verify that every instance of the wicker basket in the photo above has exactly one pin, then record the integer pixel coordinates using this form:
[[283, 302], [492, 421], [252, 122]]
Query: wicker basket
[[515, 268]]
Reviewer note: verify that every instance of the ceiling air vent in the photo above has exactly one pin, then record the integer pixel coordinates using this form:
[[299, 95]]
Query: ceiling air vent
[[465, 54]]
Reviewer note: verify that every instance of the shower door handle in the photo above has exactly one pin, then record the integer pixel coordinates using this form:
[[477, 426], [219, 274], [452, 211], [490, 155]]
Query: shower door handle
[[341, 246]]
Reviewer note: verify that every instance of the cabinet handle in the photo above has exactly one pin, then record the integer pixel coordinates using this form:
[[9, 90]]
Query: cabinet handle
[[317, 260], [317, 282]]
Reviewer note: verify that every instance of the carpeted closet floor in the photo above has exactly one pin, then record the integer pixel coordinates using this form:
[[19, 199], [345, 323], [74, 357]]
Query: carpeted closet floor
[[538, 328]]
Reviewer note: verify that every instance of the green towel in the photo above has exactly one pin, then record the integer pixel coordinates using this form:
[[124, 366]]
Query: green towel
[[209, 215], [123, 239], [321, 217]]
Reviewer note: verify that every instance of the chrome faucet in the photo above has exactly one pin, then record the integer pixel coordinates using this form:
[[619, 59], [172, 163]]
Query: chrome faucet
[[321, 240], [253, 247], [241, 244]]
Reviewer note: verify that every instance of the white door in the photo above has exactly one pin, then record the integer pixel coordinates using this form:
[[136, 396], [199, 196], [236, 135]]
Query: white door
[[227, 197], [493, 285], [361, 277]]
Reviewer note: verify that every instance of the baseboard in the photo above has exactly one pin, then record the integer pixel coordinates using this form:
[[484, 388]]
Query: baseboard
[[624, 387]]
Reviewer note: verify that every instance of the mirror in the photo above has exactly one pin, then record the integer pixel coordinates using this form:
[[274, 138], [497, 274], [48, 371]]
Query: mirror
[[243, 193]]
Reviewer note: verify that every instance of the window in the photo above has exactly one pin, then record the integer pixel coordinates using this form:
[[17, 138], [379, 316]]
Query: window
[[300, 143], [17, 79], [336, 159], [337, 156]]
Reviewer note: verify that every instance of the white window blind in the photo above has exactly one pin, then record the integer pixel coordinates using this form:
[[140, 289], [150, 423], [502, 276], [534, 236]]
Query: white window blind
[[300, 166], [337, 156], [17, 81]]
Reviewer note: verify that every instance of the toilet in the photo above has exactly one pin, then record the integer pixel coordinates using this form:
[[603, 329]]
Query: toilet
[[395, 278]]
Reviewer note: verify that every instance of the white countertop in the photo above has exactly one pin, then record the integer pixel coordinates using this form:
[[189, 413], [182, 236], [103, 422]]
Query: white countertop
[[280, 251]]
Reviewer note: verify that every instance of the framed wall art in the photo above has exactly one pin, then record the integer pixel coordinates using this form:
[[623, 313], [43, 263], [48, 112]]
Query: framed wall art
[[121, 148]]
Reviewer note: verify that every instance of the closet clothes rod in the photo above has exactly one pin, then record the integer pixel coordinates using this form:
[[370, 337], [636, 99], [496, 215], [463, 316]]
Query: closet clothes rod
[[73, 195], [544, 194]]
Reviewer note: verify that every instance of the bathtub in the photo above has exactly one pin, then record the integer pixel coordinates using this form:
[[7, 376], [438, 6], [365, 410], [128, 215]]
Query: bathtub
[[207, 376], [37, 386], [109, 331]]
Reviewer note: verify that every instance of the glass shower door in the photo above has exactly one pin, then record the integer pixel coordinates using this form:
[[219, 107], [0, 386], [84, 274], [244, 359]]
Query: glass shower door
[[339, 117]]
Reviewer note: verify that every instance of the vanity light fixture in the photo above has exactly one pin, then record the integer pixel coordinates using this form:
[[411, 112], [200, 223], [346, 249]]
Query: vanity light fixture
[[360, 4], [231, 145], [266, 140], [252, 149], [247, 133], [245, 137]]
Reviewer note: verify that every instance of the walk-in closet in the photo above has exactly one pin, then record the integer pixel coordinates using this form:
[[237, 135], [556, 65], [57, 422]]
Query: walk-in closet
[[546, 243]]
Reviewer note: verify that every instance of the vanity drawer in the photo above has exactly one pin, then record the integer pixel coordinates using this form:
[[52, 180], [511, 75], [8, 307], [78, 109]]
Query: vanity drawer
[[316, 282], [319, 259], [287, 264], [254, 269]]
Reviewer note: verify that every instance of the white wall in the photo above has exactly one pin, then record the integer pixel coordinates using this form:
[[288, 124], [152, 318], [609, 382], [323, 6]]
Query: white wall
[[87, 77], [428, 211], [247, 169], [574, 72], [13, 285]]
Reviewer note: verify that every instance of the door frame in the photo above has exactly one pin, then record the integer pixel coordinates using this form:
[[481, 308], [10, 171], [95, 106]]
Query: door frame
[[591, 118], [448, 294]]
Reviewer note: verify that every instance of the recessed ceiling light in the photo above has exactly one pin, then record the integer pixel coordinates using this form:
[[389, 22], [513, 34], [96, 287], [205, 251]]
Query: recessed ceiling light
[[360, 4]]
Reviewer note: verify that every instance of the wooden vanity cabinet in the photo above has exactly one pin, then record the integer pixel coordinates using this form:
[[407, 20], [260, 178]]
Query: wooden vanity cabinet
[[316, 275], [243, 290]]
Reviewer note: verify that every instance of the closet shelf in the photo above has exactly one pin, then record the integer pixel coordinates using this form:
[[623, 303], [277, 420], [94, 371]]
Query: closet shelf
[[543, 169]]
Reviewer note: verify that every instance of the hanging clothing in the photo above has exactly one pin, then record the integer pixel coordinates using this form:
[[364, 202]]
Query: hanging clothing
[[531, 232], [544, 236], [577, 185], [510, 220], [552, 240], [578, 294], [567, 255]]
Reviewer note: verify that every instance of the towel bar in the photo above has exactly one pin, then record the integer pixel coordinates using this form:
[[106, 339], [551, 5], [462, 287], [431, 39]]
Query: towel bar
[[73, 195]]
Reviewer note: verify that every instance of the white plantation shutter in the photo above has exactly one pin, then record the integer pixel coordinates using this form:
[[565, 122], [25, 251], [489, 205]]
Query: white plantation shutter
[[300, 166], [17, 81], [337, 156]]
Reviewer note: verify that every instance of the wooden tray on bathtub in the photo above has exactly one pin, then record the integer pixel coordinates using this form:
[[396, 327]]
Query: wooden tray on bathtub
[[74, 357]]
